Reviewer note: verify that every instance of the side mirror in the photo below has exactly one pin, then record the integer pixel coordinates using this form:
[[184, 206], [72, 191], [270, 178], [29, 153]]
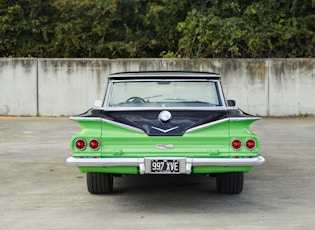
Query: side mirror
[[231, 102], [98, 103]]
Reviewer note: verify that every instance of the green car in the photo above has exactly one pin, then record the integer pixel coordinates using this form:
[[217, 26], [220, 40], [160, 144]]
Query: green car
[[165, 122]]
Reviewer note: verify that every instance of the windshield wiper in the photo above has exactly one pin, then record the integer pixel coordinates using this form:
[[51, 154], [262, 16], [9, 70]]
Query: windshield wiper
[[149, 97], [153, 96], [186, 100]]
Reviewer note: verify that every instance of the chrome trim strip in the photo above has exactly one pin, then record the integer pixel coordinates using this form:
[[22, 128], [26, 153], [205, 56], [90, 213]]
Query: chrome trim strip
[[220, 93], [107, 121], [207, 125], [163, 108], [221, 121], [140, 162], [122, 125], [244, 118], [108, 93], [104, 162], [228, 161], [163, 79], [85, 118]]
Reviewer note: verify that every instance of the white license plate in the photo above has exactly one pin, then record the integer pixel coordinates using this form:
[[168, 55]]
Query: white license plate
[[165, 166]]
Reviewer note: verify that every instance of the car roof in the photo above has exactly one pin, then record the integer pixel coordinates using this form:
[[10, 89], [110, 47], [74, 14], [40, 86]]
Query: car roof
[[164, 75]]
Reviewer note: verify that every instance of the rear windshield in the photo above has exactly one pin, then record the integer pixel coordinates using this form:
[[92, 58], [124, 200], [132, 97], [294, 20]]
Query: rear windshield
[[165, 94]]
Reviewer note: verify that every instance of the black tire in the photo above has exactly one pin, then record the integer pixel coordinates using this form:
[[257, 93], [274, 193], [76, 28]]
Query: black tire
[[230, 183], [99, 183]]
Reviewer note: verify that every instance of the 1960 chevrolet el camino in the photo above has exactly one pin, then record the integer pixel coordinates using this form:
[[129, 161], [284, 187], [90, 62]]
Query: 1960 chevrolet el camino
[[165, 123]]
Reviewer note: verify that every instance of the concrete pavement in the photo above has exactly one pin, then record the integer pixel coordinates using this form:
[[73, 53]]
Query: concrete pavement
[[38, 190]]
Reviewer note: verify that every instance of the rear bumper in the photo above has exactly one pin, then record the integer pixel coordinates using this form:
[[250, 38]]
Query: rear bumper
[[144, 163]]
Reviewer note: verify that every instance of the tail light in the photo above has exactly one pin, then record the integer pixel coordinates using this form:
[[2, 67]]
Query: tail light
[[250, 144], [236, 144], [94, 144], [80, 144]]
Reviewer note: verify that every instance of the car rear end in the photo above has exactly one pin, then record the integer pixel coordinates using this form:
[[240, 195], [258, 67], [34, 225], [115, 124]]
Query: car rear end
[[165, 123]]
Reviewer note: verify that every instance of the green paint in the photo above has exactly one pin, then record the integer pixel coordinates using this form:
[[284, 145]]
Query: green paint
[[210, 142]]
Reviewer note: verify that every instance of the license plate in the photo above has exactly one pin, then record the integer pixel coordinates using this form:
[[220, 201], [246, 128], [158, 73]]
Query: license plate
[[165, 166]]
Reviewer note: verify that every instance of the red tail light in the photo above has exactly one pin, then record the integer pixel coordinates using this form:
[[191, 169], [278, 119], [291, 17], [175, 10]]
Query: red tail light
[[236, 144], [80, 144], [94, 144], [250, 144]]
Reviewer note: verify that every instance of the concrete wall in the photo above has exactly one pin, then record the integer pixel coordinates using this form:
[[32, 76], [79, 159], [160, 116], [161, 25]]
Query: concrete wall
[[18, 86], [65, 87]]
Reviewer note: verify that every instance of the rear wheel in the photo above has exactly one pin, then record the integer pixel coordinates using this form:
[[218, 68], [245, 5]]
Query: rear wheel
[[99, 183], [230, 183]]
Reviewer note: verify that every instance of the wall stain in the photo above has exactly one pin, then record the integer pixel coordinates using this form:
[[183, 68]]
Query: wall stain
[[259, 85]]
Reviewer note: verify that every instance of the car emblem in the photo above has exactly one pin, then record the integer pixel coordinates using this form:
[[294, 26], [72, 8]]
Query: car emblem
[[160, 146], [165, 116], [164, 130]]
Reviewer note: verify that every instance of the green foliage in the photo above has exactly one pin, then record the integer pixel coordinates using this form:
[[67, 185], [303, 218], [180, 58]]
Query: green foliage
[[160, 28], [273, 28], [115, 29], [25, 28]]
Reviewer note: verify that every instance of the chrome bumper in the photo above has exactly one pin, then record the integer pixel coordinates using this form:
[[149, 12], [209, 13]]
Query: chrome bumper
[[144, 163]]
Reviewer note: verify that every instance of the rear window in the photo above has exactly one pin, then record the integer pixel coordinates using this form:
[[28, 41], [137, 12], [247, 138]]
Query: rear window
[[164, 94]]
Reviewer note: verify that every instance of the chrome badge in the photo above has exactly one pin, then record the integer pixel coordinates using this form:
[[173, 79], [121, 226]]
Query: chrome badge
[[165, 116], [164, 130], [160, 146]]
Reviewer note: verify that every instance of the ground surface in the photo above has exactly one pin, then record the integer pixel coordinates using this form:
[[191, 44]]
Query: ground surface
[[38, 190]]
